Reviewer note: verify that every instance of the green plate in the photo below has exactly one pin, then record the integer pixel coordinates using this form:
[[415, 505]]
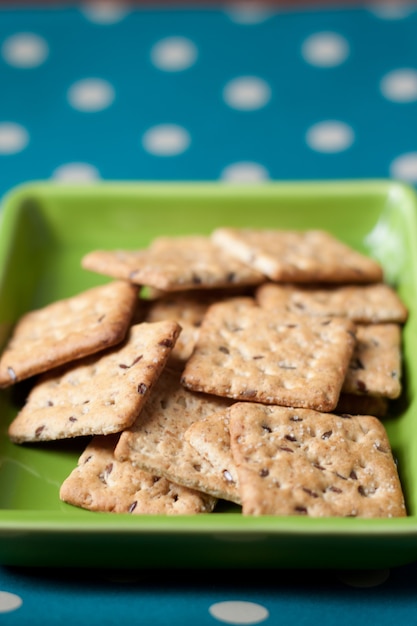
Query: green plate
[[47, 228]]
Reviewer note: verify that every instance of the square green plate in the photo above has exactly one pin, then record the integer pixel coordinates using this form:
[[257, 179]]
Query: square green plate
[[47, 228]]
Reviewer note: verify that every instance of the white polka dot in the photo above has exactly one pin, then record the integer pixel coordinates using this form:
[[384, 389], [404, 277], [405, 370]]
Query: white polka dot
[[91, 95], [247, 93], [174, 54], [325, 49], [365, 578], [400, 85], [330, 136], [102, 12], [9, 601], [238, 612], [13, 138], [166, 140], [390, 10], [76, 173], [245, 172], [404, 167], [248, 12], [25, 50]]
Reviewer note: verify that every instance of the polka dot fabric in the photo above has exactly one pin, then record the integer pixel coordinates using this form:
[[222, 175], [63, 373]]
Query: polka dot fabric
[[240, 92], [243, 92]]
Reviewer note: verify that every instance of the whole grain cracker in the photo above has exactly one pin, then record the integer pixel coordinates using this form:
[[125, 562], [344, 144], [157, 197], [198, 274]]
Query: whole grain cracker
[[374, 303], [375, 366], [188, 309], [247, 353], [102, 394], [302, 462], [156, 443], [100, 483], [298, 256], [174, 263], [68, 329], [211, 438]]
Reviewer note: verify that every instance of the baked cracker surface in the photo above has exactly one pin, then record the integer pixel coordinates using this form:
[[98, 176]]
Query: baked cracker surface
[[302, 462], [173, 264], [375, 366], [156, 443], [68, 329], [102, 394], [373, 303], [246, 353], [100, 483], [298, 256]]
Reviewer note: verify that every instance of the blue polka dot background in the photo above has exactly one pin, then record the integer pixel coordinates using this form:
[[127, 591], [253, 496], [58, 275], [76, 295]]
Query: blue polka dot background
[[240, 92]]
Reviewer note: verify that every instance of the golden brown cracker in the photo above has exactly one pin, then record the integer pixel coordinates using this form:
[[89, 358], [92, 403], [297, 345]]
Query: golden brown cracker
[[101, 394], [68, 329], [298, 256], [101, 483], [302, 462], [246, 353]]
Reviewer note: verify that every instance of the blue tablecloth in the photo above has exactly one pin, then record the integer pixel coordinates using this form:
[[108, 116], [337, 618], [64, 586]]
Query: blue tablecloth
[[228, 93]]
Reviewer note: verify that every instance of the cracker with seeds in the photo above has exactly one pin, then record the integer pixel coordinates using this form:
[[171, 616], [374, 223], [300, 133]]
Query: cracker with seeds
[[188, 309], [302, 462], [298, 256], [100, 483], [173, 264], [245, 353], [155, 442], [369, 304], [100, 395], [375, 367], [211, 438], [68, 329]]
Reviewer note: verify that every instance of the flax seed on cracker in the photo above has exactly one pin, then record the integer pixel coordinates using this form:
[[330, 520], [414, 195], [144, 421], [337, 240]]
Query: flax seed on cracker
[[101, 483], [301, 462], [174, 264], [68, 329], [298, 256], [99, 395], [245, 353]]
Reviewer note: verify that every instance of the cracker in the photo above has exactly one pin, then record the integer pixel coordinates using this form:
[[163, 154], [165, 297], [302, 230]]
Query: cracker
[[374, 303], [298, 256], [247, 353], [375, 367], [102, 394], [188, 309], [68, 329], [211, 438], [156, 443], [100, 483], [302, 462], [174, 263]]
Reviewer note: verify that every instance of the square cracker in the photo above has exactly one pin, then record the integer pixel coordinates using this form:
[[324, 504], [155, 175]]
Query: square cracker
[[302, 462], [188, 309], [247, 353], [369, 304], [156, 443], [100, 483], [68, 329], [298, 256], [173, 264], [375, 366], [211, 438], [100, 395]]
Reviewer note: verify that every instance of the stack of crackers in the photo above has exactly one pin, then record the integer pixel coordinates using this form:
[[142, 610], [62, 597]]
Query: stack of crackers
[[250, 365]]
